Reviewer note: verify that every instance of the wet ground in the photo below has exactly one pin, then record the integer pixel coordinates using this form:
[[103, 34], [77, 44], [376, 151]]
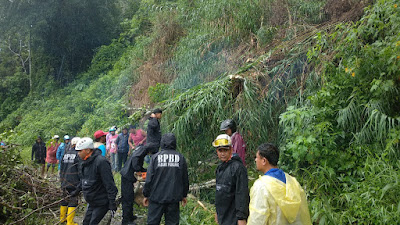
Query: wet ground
[[107, 220]]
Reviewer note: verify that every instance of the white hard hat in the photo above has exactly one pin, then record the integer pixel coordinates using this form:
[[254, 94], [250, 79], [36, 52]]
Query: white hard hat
[[84, 143], [66, 137], [223, 140], [56, 137], [75, 140]]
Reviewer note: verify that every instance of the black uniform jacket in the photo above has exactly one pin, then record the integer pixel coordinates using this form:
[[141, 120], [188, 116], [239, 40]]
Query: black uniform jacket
[[167, 178], [69, 170], [232, 192], [97, 181], [153, 135], [134, 164]]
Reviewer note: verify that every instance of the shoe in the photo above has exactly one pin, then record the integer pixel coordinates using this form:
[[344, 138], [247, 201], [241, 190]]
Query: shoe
[[71, 215], [63, 213]]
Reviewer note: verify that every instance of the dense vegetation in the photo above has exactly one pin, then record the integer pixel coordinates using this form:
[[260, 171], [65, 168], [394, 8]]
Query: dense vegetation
[[325, 91]]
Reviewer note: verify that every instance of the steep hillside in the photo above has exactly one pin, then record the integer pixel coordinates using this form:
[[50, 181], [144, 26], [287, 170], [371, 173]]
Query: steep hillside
[[168, 46]]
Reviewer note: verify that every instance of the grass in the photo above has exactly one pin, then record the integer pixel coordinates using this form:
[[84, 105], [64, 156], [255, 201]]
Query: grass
[[26, 154]]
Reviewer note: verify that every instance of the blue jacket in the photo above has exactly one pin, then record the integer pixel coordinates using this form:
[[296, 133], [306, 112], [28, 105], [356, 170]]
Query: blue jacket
[[60, 152], [122, 143]]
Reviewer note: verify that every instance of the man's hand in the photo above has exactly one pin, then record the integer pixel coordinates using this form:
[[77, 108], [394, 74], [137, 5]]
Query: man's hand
[[216, 218], [112, 206], [74, 193], [146, 202], [112, 213], [184, 202], [242, 222]]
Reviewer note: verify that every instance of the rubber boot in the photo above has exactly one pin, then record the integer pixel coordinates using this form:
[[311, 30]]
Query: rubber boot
[[63, 213], [71, 215]]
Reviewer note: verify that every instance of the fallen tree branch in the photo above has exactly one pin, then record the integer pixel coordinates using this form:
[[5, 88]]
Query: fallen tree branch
[[41, 208], [198, 202], [208, 184], [2, 202]]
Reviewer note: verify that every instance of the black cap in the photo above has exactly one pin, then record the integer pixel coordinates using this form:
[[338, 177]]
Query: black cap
[[158, 110], [228, 124]]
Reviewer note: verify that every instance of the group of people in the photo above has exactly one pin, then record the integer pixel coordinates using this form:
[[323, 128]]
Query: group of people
[[87, 166], [117, 147], [51, 154], [275, 198]]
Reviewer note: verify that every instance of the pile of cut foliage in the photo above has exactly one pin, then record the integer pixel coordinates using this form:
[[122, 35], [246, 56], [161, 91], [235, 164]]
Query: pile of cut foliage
[[24, 198]]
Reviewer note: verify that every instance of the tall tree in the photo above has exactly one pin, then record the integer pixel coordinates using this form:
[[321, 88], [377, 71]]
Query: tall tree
[[53, 40]]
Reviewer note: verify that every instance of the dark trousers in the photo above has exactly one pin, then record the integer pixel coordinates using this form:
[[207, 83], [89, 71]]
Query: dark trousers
[[156, 210], [95, 214], [121, 159], [127, 199], [71, 201]]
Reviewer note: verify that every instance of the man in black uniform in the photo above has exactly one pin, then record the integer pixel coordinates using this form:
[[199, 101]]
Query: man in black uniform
[[167, 183], [232, 191], [97, 182], [70, 180], [134, 164], [154, 132]]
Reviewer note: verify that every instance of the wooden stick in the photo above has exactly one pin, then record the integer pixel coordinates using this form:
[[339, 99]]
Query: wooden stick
[[44, 207]]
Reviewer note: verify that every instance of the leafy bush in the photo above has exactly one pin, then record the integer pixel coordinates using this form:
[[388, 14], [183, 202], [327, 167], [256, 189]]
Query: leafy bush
[[343, 142]]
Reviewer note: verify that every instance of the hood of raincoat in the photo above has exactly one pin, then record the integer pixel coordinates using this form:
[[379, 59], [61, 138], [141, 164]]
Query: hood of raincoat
[[287, 196], [168, 141]]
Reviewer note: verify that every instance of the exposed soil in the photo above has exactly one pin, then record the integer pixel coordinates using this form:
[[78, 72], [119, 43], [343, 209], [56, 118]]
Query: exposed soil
[[345, 10], [150, 75]]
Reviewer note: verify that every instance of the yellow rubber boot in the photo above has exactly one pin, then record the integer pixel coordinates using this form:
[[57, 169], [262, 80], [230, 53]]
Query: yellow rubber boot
[[71, 215], [63, 213]]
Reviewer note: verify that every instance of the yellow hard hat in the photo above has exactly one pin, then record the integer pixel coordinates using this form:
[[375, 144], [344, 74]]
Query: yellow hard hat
[[223, 140]]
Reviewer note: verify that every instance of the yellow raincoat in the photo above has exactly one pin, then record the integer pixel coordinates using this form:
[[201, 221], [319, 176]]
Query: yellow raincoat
[[273, 202]]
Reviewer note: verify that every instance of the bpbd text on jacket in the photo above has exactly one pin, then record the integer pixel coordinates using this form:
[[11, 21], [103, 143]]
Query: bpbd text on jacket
[[168, 160]]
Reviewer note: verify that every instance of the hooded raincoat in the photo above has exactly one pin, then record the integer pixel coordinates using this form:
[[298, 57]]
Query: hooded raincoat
[[39, 151], [273, 202], [167, 178], [232, 192]]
